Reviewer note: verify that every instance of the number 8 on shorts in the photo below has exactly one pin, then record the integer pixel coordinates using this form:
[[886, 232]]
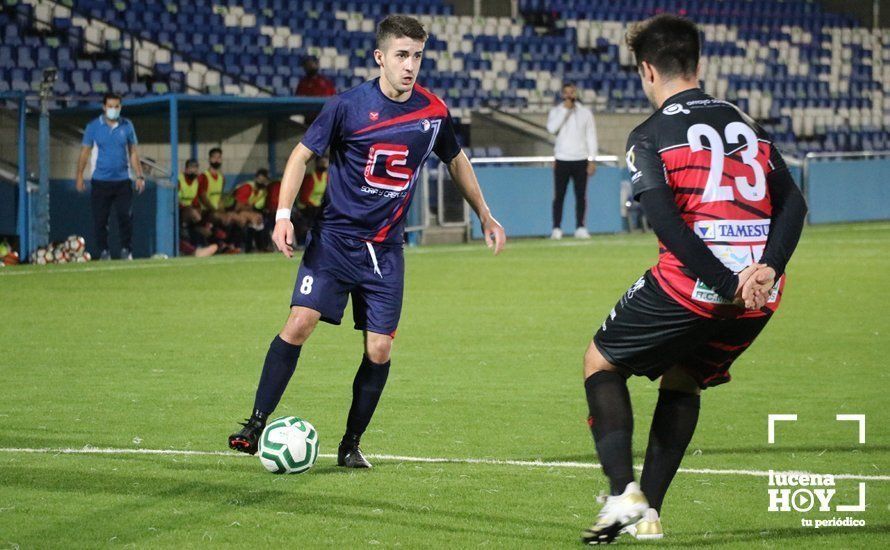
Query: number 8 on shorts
[[306, 286]]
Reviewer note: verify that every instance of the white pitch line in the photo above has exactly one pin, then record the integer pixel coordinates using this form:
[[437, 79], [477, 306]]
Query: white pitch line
[[428, 460], [262, 258], [127, 266]]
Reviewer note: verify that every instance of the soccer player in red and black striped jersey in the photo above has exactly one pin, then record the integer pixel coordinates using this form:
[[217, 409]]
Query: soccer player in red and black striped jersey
[[728, 216], [378, 135]]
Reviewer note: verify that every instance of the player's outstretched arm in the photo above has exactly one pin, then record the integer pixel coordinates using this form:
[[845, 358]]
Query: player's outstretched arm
[[283, 234], [465, 178]]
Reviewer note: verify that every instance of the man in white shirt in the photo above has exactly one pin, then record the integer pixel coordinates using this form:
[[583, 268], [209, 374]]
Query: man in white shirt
[[575, 150]]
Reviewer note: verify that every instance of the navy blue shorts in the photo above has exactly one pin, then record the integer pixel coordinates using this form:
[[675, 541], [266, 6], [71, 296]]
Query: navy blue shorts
[[335, 267]]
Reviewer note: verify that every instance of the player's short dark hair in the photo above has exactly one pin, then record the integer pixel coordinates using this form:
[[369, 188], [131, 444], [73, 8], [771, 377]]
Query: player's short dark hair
[[191, 162], [397, 26], [568, 84], [262, 172], [110, 95], [214, 151], [669, 43]]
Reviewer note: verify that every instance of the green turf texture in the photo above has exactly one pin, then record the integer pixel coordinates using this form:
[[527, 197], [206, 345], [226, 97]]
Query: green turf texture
[[487, 364]]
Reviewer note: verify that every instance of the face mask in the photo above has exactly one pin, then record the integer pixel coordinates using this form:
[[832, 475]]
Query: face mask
[[215, 165], [189, 176], [113, 113]]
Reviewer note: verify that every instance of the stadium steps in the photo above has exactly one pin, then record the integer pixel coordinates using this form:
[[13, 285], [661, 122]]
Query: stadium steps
[[519, 123], [443, 235]]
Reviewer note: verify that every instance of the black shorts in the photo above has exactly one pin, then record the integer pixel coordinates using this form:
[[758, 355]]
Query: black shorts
[[648, 332]]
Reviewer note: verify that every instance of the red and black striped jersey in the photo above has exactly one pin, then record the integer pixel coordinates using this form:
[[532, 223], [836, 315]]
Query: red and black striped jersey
[[716, 160]]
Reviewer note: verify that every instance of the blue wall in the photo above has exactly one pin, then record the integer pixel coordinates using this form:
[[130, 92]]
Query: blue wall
[[71, 214], [9, 200], [848, 191], [520, 197]]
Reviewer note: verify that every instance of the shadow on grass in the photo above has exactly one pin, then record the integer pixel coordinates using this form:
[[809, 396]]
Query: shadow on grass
[[134, 492]]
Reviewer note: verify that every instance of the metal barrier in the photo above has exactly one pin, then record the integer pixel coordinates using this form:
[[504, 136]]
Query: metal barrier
[[451, 208], [805, 163], [605, 159]]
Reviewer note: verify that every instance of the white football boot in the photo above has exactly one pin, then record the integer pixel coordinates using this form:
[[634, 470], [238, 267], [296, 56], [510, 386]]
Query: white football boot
[[581, 233], [617, 513], [556, 234], [648, 528]]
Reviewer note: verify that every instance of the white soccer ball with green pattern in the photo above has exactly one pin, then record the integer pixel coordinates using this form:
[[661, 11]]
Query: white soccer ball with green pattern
[[289, 445]]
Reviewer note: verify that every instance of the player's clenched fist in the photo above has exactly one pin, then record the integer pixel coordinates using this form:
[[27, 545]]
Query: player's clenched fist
[[283, 237]]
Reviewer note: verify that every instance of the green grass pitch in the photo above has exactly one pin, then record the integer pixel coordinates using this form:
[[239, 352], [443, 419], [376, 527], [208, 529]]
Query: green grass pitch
[[487, 365]]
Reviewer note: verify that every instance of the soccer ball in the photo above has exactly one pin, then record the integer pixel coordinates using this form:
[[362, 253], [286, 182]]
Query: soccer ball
[[75, 244], [289, 445]]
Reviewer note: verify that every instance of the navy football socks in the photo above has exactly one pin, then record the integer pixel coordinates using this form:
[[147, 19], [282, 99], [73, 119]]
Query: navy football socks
[[366, 390], [612, 424], [281, 360]]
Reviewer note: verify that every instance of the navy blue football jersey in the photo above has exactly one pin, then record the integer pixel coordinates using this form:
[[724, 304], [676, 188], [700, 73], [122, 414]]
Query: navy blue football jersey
[[377, 149]]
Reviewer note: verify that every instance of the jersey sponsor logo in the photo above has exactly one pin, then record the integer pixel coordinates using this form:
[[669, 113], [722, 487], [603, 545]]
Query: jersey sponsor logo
[[703, 293], [425, 125], [675, 108], [736, 258], [373, 115], [708, 102], [392, 158], [741, 231]]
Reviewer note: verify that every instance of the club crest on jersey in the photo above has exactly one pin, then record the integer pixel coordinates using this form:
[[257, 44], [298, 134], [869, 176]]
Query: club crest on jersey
[[373, 115], [675, 108], [425, 125], [386, 167]]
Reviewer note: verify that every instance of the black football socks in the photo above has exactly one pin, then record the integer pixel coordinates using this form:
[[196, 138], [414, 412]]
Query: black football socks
[[281, 360], [673, 424], [366, 390], [612, 423]]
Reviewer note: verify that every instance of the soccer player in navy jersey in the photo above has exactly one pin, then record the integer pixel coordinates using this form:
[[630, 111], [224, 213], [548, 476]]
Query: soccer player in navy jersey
[[378, 134]]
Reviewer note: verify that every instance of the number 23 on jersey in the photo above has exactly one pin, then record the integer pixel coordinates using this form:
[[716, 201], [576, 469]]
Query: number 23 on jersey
[[734, 132]]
